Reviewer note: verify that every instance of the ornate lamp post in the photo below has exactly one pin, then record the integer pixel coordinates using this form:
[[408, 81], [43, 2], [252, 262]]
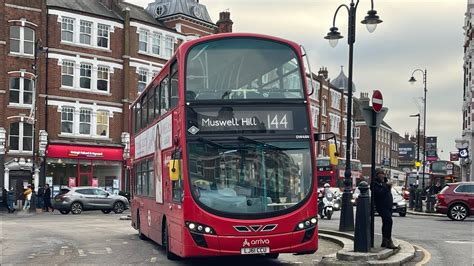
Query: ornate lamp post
[[371, 20], [417, 164], [412, 81]]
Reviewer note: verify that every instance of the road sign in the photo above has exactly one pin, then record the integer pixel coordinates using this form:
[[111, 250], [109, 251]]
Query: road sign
[[377, 101]]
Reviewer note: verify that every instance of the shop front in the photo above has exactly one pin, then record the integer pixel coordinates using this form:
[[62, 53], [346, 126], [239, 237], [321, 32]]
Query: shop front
[[71, 166]]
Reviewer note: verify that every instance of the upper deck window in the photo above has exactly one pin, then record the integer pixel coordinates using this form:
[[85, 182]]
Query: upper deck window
[[243, 69]]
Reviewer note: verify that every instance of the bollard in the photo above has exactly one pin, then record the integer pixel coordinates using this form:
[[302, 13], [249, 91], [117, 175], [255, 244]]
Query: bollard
[[362, 223], [418, 201]]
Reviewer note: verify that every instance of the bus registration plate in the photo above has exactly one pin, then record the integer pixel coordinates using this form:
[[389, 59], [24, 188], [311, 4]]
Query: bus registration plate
[[255, 250]]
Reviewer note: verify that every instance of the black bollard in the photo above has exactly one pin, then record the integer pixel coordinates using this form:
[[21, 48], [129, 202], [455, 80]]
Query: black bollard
[[362, 223], [418, 201]]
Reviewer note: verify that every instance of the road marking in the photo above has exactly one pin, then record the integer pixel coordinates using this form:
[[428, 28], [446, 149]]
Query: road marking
[[61, 252], [81, 253], [109, 250], [459, 242], [125, 242], [153, 259], [426, 256], [64, 247]]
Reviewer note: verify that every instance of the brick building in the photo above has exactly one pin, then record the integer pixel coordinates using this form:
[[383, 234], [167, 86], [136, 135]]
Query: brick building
[[386, 146], [92, 57]]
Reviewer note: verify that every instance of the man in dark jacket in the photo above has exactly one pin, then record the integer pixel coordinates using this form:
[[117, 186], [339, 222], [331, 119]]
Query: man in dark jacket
[[11, 197], [47, 198], [383, 204]]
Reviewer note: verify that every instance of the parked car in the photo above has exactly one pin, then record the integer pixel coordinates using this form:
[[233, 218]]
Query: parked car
[[456, 200], [399, 203], [78, 199]]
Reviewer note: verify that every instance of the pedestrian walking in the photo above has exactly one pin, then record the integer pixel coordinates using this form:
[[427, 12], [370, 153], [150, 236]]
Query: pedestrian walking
[[27, 195], [11, 197], [40, 199], [411, 201], [47, 198], [383, 204]]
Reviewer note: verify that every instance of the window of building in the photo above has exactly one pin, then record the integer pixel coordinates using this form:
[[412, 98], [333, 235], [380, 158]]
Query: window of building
[[67, 120], [67, 29], [143, 41], [155, 43], [335, 100], [102, 123], [86, 74], [85, 122], [103, 35], [22, 40], [85, 32], [142, 79], [103, 78], [21, 136], [21, 91], [174, 85], [67, 74], [168, 46]]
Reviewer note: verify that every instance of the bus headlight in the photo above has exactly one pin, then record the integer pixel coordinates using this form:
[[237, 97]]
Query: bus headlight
[[308, 223], [200, 228]]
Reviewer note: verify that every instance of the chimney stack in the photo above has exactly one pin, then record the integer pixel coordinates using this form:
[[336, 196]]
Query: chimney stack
[[323, 71], [224, 24]]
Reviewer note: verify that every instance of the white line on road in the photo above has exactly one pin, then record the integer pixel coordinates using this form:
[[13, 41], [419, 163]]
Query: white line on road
[[81, 253], [459, 242], [61, 252], [109, 250], [153, 259]]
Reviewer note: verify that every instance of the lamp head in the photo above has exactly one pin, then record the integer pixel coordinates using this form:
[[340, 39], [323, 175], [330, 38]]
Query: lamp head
[[333, 36], [412, 80], [371, 20], [417, 115]]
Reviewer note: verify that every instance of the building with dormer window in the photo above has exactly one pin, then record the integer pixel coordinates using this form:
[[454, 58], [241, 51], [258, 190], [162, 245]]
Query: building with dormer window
[[66, 103]]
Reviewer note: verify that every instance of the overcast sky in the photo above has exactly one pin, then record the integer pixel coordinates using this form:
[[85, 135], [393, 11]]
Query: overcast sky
[[414, 34]]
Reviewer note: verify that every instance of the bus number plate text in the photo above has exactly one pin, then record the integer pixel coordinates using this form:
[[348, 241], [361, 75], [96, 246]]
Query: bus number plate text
[[255, 250]]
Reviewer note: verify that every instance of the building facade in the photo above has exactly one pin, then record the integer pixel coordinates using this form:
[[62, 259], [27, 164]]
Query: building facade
[[328, 110], [71, 71], [466, 141]]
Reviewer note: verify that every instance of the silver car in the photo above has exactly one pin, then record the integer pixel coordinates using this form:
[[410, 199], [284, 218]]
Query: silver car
[[78, 199]]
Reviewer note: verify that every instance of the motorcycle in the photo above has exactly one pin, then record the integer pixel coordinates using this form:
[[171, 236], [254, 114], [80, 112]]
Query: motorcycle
[[326, 205]]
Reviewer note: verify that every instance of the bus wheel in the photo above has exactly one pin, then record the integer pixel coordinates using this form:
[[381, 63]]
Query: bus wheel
[[170, 255], [140, 234], [272, 256]]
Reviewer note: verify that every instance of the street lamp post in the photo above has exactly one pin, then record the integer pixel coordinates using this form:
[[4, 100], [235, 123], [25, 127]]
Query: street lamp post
[[417, 164], [371, 20], [412, 81]]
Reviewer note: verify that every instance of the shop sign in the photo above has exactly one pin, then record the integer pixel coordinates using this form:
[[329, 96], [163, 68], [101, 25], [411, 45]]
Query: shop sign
[[85, 152]]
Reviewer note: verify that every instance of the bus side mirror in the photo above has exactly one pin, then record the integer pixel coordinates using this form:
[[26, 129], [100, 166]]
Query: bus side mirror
[[174, 166], [324, 136]]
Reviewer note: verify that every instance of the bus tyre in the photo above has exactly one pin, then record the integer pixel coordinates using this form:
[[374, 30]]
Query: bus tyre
[[166, 244], [140, 234], [272, 256]]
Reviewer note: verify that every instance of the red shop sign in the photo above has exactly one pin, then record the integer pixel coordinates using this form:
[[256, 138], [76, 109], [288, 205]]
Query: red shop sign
[[85, 152]]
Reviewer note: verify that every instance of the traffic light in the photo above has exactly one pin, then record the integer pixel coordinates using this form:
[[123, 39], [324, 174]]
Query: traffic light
[[332, 153]]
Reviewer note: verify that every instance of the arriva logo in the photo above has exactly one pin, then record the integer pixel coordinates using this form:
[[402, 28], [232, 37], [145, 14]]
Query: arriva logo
[[246, 243]]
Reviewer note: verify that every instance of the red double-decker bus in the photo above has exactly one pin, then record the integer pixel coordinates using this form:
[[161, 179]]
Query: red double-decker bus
[[223, 151], [334, 174]]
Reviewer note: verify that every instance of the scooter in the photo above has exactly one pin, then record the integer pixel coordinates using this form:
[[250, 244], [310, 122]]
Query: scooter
[[325, 205]]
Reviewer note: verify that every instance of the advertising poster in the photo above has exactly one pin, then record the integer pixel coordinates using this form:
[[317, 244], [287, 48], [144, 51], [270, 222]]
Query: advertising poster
[[95, 182], [72, 182], [406, 151], [158, 168], [431, 148], [49, 180]]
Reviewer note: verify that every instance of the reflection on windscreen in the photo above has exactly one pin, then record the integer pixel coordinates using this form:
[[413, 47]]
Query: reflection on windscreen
[[242, 68], [249, 178]]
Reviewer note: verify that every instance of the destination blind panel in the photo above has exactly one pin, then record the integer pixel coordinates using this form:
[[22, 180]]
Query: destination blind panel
[[247, 119]]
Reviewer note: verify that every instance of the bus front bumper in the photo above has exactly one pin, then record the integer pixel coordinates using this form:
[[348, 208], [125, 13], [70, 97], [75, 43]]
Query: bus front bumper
[[304, 241]]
